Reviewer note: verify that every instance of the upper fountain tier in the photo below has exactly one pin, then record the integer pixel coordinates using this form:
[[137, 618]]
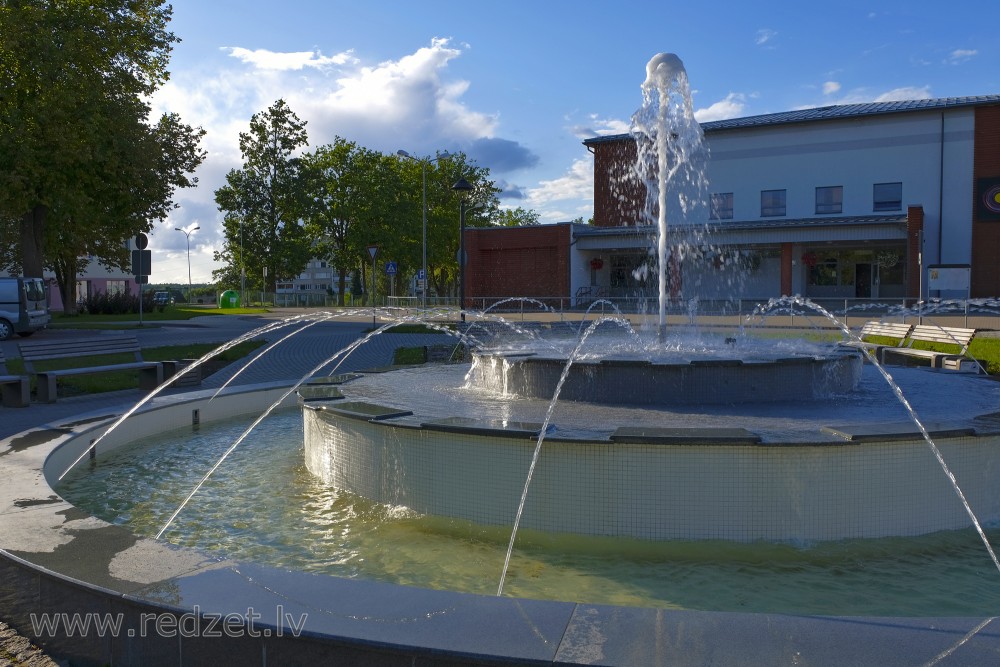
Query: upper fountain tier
[[693, 371]]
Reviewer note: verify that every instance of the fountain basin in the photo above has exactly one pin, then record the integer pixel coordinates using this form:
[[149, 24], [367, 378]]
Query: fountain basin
[[809, 470], [705, 381], [54, 558]]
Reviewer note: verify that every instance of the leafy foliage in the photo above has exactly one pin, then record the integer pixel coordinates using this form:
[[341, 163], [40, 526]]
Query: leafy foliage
[[81, 167], [264, 203]]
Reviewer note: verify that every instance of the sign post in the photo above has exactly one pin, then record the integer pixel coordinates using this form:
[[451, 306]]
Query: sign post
[[142, 260], [373, 253], [390, 270]]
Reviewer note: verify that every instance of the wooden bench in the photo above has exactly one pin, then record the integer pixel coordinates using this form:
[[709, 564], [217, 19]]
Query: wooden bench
[[15, 390], [150, 372], [958, 337], [875, 329]]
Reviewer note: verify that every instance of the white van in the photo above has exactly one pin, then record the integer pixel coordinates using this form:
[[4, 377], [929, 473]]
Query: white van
[[23, 306]]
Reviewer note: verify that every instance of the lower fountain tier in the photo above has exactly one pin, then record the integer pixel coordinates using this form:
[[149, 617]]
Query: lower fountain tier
[[696, 382], [853, 466]]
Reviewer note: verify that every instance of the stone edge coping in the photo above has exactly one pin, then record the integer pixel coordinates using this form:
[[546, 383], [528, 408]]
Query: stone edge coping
[[54, 557], [834, 434]]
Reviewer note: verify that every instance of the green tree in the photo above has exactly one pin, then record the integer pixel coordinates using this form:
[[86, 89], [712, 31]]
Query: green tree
[[352, 191], [482, 210], [264, 202], [516, 217], [81, 167]]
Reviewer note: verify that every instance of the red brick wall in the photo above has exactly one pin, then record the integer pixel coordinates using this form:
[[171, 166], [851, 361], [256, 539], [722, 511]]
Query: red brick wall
[[517, 261], [619, 197], [914, 226], [985, 276]]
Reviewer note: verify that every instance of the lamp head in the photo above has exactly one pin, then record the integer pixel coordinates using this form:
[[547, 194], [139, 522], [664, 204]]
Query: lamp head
[[462, 187]]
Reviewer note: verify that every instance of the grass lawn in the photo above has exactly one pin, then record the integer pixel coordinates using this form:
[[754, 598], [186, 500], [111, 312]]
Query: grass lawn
[[117, 380], [131, 320]]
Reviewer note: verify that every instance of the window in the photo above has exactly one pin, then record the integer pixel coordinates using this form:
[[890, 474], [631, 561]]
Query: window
[[772, 203], [116, 287], [722, 206], [888, 197], [830, 199]]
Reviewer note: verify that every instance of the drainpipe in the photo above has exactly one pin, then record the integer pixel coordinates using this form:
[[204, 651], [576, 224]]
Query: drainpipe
[[940, 238]]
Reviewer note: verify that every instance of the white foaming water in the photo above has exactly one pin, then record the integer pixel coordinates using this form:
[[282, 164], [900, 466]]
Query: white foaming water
[[670, 159]]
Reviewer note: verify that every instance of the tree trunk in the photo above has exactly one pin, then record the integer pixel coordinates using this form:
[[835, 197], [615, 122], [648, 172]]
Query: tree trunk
[[32, 227], [66, 272], [342, 286]]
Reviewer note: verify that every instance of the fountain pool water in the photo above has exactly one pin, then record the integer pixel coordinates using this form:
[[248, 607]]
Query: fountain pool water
[[673, 482], [263, 505]]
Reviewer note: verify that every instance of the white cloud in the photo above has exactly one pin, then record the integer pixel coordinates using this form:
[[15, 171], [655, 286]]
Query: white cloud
[[730, 107], [764, 35], [830, 87], [906, 93], [959, 56], [576, 184], [600, 127], [403, 103], [264, 59]]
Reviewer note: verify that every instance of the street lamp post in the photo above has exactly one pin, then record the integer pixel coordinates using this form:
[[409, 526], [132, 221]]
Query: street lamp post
[[187, 236], [463, 188], [423, 174]]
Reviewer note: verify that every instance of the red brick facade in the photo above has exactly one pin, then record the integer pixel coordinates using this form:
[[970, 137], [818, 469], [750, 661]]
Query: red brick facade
[[619, 197], [517, 261], [985, 276]]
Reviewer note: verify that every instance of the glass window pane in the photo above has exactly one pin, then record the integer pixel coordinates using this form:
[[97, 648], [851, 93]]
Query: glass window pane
[[888, 197], [830, 199], [722, 206], [772, 202]]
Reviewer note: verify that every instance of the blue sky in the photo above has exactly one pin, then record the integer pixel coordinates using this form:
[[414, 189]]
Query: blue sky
[[519, 85]]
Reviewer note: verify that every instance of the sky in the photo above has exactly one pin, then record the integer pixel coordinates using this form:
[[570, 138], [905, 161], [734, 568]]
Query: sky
[[519, 85]]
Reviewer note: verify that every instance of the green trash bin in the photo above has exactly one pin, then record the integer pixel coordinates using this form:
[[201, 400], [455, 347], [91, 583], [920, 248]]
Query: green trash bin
[[229, 299]]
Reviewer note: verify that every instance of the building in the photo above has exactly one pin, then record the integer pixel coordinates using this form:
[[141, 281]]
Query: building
[[312, 287], [860, 201]]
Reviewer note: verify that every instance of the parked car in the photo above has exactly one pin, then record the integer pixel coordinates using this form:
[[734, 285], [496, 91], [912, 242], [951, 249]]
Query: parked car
[[23, 306]]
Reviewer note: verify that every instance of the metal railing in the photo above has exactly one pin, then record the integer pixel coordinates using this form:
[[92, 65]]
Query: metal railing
[[977, 313]]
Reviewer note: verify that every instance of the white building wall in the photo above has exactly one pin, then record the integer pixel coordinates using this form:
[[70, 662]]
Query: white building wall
[[957, 201], [856, 154]]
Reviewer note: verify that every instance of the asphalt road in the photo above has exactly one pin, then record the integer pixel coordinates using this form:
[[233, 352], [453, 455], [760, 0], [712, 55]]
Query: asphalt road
[[299, 347]]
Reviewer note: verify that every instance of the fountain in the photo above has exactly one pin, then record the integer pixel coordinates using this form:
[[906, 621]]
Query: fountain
[[697, 442]]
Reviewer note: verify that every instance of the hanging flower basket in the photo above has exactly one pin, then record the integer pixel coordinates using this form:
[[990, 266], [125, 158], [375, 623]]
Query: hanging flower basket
[[810, 259], [596, 264]]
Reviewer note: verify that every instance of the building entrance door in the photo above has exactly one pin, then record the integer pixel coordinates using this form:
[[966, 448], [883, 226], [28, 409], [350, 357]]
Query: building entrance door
[[863, 281]]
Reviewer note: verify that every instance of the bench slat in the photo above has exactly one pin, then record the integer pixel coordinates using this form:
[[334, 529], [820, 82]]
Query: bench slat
[[960, 337], [151, 372]]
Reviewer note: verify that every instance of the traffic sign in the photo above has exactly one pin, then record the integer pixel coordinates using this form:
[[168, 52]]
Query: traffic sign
[[421, 275], [390, 268], [142, 262], [372, 251]]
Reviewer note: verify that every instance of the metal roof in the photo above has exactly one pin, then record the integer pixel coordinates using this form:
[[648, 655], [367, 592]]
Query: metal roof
[[835, 112]]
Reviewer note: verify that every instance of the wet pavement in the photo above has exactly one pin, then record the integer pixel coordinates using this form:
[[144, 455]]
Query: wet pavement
[[299, 350]]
